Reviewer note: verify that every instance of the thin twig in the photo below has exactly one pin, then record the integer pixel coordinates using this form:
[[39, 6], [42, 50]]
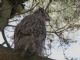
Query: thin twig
[[29, 9], [11, 25], [48, 4], [6, 42]]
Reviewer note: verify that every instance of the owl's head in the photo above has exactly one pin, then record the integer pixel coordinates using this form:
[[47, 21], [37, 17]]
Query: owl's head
[[43, 14]]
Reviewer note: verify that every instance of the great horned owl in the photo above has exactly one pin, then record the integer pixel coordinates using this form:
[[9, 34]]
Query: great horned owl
[[31, 32]]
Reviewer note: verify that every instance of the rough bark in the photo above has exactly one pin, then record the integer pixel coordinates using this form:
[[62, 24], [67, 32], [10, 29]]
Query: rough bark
[[10, 54]]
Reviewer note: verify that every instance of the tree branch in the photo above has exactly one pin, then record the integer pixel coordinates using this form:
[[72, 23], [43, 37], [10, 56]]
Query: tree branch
[[48, 4], [6, 42], [11, 54]]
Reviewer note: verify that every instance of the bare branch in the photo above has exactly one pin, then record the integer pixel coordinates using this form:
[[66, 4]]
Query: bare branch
[[3, 43], [29, 9], [11, 25], [6, 42], [48, 4]]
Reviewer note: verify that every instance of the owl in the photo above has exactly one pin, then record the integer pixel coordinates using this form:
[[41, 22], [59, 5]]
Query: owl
[[30, 33]]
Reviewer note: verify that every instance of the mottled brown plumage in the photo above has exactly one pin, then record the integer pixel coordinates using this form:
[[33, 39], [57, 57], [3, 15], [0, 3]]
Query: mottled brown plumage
[[30, 33]]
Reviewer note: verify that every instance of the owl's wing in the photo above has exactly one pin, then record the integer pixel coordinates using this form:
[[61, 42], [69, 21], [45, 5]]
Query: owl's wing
[[21, 30], [22, 27]]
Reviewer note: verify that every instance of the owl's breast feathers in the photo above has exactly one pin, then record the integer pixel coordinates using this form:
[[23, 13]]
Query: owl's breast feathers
[[32, 25]]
